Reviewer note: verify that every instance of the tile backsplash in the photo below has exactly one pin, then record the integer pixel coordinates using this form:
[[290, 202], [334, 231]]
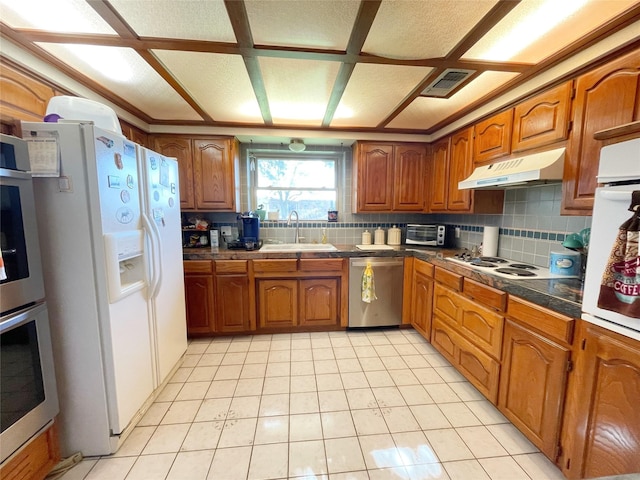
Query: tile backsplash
[[530, 227]]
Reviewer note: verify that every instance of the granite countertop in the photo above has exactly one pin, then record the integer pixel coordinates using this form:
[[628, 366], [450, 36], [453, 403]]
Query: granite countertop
[[562, 295]]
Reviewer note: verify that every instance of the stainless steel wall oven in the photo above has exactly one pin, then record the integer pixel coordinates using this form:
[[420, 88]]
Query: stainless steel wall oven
[[28, 394]]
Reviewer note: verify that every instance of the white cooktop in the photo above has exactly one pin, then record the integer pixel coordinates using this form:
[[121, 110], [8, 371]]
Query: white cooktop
[[526, 271]]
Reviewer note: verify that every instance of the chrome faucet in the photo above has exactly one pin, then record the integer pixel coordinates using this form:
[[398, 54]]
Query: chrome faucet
[[297, 239]]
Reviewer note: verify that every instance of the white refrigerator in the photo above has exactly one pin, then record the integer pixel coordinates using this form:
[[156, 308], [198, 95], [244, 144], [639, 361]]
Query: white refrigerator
[[109, 228]]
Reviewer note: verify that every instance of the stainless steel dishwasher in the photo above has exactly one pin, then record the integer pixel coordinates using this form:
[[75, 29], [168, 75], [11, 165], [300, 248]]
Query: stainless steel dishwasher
[[386, 310]]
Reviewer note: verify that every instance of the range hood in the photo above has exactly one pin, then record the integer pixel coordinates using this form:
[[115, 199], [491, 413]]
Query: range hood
[[543, 167]]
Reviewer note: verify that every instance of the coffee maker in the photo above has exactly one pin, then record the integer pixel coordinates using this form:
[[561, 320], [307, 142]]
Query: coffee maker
[[248, 233]]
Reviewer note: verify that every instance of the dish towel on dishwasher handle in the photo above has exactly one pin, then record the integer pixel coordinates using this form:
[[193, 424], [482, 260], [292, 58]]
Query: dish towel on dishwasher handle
[[368, 286]]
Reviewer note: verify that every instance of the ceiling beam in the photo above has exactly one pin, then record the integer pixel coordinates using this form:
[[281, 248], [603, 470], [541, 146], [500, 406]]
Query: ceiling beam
[[361, 27], [151, 43], [240, 23]]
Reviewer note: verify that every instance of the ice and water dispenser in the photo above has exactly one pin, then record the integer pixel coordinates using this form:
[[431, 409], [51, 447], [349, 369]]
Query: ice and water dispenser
[[124, 252]]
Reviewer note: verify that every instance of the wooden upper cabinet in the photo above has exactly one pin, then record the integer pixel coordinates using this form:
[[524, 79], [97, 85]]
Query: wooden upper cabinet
[[373, 177], [543, 119], [23, 97], [439, 171], [461, 166], [605, 97], [214, 175], [180, 148], [493, 137], [135, 134], [410, 165]]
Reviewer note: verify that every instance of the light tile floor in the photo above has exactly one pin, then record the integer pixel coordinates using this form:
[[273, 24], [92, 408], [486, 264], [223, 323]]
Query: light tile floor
[[351, 405]]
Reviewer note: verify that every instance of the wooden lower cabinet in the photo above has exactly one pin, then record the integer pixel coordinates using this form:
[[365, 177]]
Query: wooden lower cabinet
[[532, 385], [199, 296], [319, 301], [35, 460], [422, 297], [232, 303], [601, 434], [478, 367], [277, 303]]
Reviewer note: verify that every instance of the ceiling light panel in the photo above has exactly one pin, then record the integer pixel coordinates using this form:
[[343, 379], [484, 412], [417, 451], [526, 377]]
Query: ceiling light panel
[[188, 19], [312, 24], [533, 31], [374, 91], [219, 83], [419, 29], [123, 71], [424, 113], [298, 90], [63, 16]]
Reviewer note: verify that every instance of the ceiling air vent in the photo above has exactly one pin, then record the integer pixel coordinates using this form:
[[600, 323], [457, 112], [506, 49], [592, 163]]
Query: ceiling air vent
[[447, 82]]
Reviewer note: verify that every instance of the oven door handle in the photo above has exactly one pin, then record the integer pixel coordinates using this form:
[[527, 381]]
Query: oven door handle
[[616, 196], [19, 318]]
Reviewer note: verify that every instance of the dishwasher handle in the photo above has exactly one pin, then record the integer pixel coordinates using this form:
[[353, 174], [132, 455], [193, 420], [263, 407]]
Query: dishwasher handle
[[377, 262]]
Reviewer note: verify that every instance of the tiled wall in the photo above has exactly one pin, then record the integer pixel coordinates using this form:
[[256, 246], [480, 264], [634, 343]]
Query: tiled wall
[[530, 227]]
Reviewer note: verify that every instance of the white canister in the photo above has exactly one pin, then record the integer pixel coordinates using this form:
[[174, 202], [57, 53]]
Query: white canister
[[379, 236], [394, 236], [366, 237], [565, 262]]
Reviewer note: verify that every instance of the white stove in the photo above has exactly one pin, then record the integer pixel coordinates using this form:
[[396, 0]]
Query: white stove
[[503, 267]]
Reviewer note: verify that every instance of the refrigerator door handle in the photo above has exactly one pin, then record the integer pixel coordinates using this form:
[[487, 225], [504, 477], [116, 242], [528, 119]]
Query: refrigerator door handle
[[154, 283]]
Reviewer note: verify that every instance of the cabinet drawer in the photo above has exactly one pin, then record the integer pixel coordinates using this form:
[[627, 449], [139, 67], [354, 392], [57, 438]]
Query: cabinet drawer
[[545, 321], [321, 265], [425, 268], [275, 266], [198, 266], [478, 324], [489, 296], [450, 279], [231, 266], [478, 367], [445, 302]]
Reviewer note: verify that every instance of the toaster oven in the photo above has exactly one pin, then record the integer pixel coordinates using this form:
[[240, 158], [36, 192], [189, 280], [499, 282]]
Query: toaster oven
[[430, 235]]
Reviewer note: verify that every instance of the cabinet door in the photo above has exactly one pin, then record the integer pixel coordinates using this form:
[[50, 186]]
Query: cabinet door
[[602, 433], [214, 175], [375, 178], [180, 148], [319, 301], [460, 168], [606, 97], [23, 97], [532, 386], [410, 165], [422, 303], [543, 119], [439, 172], [200, 304], [277, 303], [493, 137], [232, 303]]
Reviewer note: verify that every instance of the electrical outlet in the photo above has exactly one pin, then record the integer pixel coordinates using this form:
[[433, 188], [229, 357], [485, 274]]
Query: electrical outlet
[[457, 232]]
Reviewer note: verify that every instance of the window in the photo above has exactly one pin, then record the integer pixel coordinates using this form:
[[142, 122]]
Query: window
[[306, 183]]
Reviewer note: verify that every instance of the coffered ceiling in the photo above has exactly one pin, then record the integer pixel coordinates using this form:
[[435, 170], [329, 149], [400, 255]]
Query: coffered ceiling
[[333, 65]]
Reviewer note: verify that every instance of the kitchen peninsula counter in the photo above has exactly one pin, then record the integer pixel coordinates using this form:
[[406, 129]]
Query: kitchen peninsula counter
[[563, 295]]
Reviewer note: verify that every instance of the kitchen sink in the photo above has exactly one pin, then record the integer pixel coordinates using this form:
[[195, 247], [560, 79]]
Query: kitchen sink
[[298, 247]]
